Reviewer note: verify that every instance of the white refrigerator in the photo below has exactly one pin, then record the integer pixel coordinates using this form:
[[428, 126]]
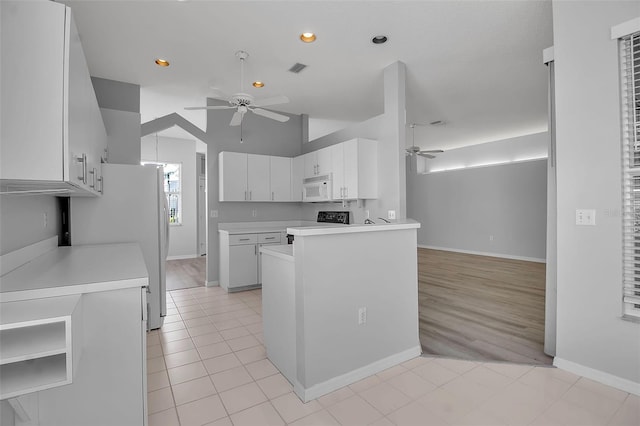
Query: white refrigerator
[[132, 208]]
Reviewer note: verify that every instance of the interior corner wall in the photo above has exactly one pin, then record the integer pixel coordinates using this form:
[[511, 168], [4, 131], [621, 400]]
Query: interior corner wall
[[591, 335], [183, 238], [494, 210], [22, 220], [260, 135], [389, 130]]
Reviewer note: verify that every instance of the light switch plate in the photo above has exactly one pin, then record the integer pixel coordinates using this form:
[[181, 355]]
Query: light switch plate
[[585, 217]]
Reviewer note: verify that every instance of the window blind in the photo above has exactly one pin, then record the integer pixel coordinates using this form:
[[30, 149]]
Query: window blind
[[630, 86]]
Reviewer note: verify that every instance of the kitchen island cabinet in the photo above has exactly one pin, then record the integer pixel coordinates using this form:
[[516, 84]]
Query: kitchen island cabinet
[[333, 296], [53, 137], [91, 301]]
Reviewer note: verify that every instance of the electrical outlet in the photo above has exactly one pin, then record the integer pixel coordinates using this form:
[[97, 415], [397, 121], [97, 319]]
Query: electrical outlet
[[254, 213], [214, 213], [490, 237], [391, 214], [586, 217], [362, 316]]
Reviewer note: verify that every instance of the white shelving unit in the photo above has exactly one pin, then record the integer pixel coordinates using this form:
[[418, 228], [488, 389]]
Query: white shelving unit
[[38, 346]]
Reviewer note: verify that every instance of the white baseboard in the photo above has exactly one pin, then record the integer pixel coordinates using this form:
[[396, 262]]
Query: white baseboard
[[320, 389], [212, 284], [183, 256], [598, 376], [483, 253], [17, 258]]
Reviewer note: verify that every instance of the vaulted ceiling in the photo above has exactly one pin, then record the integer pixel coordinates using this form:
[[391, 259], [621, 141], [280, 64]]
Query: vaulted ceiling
[[476, 65]]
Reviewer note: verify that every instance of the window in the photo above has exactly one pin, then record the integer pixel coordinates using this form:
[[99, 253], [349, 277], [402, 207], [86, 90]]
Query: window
[[630, 86], [172, 188]]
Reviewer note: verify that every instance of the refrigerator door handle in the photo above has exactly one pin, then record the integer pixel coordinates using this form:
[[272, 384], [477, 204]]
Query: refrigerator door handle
[[166, 224]]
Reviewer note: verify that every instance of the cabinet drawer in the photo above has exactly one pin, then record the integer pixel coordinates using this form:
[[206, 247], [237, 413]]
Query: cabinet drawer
[[239, 239], [271, 237]]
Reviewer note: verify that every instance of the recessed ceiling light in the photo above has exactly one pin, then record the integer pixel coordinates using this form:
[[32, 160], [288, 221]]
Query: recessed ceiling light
[[258, 84], [308, 37], [379, 39], [162, 62]]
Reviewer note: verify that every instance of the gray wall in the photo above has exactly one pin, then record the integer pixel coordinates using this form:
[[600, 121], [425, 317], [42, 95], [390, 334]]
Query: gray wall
[[590, 330], [120, 108], [260, 136], [461, 209], [22, 220]]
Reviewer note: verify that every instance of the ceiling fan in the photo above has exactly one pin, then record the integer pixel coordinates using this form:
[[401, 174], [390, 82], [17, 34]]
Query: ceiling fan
[[244, 102], [415, 150]]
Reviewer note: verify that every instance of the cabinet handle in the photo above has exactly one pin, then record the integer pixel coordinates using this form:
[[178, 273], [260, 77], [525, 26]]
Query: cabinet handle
[[270, 238], [256, 249], [245, 195], [93, 178], [243, 239], [101, 182], [83, 159], [273, 197]]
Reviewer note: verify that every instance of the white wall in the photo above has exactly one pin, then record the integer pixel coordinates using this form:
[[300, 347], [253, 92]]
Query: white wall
[[319, 127], [22, 220], [592, 338], [183, 238]]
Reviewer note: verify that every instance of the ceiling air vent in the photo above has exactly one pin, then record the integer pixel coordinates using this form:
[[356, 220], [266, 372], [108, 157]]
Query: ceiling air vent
[[297, 67]]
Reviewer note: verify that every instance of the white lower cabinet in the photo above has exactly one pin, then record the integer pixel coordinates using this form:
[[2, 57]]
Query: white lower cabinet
[[240, 258]]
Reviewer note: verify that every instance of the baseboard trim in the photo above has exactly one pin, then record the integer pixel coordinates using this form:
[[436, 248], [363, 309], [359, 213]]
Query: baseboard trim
[[598, 376], [183, 256], [17, 258], [483, 253], [320, 389], [212, 284]]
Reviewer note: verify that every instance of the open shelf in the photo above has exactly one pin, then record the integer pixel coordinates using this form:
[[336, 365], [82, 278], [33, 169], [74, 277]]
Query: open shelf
[[33, 375], [37, 342]]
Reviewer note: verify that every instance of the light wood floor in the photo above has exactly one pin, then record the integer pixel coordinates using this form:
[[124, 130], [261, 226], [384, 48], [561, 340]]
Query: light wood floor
[[481, 308], [186, 273]]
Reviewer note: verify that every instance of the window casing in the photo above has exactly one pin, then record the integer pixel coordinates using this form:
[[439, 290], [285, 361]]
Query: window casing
[[630, 88], [173, 190]]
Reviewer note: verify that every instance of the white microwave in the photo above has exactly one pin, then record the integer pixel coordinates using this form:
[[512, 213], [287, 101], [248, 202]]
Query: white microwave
[[317, 189]]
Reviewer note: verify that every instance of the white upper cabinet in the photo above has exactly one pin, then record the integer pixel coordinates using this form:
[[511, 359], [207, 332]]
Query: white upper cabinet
[[280, 178], [317, 162], [232, 171], [52, 136], [355, 169], [252, 177], [297, 174], [258, 177]]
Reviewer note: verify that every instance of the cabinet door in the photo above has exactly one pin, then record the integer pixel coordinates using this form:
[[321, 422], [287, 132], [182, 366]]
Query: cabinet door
[[243, 265], [297, 174], [86, 136], [232, 176], [350, 157], [260, 259], [31, 145], [337, 168], [280, 178], [324, 161], [310, 164], [258, 177]]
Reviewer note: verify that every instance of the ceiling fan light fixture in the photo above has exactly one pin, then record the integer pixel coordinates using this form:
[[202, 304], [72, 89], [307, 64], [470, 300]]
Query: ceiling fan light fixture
[[308, 37], [162, 62], [258, 84], [379, 39]]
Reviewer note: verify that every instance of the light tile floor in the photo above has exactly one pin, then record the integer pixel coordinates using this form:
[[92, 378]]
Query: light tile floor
[[207, 366]]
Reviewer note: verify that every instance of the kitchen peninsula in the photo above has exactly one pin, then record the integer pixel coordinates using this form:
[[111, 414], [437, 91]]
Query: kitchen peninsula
[[341, 303]]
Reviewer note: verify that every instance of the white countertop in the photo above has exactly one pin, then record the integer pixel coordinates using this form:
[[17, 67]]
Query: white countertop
[[327, 229], [75, 270], [232, 228], [284, 251]]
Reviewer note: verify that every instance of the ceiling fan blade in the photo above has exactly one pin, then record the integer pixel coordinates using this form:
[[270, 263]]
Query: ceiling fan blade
[[270, 114], [431, 151], [236, 119], [271, 101], [210, 107], [426, 155]]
